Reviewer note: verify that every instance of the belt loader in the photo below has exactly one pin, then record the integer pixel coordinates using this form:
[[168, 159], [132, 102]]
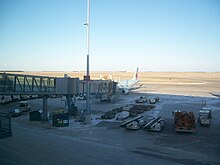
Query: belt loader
[[132, 124], [155, 125]]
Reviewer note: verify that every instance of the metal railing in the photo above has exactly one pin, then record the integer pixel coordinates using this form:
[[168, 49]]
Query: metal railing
[[26, 84]]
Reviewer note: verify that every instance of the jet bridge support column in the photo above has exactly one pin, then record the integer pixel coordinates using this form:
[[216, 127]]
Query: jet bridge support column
[[69, 102], [71, 105], [45, 97]]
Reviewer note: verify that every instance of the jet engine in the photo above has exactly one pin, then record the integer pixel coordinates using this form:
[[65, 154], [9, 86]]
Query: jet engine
[[125, 91]]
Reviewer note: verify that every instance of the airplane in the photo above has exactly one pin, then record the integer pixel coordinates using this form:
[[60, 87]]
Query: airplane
[[126, 85], [215, 94]]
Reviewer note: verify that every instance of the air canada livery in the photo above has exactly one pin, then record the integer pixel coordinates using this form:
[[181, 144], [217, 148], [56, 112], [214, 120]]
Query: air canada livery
[[126, 85]]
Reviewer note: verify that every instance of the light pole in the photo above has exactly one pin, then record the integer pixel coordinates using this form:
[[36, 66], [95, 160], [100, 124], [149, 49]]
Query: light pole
[[87, 77]]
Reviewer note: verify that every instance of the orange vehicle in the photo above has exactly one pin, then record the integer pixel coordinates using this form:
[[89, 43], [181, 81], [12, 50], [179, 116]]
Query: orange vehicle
[[184, 122]]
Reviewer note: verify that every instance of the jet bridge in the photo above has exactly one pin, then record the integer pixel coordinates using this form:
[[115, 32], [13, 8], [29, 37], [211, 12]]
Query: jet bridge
[[15, 84], [103, 90], [18, 84]]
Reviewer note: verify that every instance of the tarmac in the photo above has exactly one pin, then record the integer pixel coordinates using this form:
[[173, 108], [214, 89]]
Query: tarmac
[[105, 142]]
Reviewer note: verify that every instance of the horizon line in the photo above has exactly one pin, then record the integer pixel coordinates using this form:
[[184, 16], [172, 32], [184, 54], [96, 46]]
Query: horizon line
[[105, 71]]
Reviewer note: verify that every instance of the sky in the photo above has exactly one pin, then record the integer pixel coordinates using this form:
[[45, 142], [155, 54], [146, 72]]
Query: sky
[[154, 35]]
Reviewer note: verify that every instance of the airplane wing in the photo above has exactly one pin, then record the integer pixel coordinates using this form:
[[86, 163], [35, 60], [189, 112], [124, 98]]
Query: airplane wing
[[215, 94]]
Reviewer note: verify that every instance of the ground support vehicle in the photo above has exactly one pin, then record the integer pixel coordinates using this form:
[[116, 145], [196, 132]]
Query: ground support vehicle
[[121, 115], [5, 99], [134, 125], [205, 115], [15, 112], [138, 124], [124, 124], [154, 100], [155, 125], [184, 122], [142, 99], [24, 106]]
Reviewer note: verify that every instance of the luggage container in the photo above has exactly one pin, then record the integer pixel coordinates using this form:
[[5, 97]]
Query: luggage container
[[60, 120], [35, 115]]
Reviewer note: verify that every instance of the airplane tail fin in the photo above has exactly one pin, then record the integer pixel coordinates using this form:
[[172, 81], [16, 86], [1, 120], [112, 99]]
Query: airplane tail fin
[[136, 75]]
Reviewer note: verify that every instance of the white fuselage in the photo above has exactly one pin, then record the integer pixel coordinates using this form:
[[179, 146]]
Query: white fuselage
[[127, 83]]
